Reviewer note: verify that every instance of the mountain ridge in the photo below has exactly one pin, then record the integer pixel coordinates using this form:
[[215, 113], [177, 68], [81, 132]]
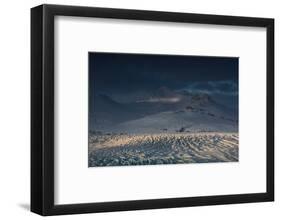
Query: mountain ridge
[[163, 110]]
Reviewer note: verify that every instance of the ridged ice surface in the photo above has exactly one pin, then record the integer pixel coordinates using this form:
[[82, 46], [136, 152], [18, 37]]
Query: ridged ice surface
[[152, 149]]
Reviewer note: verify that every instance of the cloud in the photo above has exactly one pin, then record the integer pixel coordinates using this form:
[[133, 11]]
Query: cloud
[[163, 100], [223, 87]]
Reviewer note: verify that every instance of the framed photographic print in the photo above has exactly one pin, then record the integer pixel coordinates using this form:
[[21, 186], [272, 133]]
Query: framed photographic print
[[136, 109]]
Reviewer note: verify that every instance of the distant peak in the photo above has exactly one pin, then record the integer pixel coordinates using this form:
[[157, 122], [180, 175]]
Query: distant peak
[[164, 91], [105, 97], [164, 88], [102, 95], [202, 98]]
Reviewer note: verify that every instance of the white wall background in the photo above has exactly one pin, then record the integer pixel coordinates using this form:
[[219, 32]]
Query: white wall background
[[15, 107]]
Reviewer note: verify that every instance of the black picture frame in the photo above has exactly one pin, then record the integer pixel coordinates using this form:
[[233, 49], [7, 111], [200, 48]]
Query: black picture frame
[[42, 109]]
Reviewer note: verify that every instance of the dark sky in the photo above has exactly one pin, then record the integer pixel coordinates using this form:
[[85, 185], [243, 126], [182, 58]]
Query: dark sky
[[127, 73]]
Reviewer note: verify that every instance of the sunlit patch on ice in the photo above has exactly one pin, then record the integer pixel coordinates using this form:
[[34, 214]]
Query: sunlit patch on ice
[[152, 149]]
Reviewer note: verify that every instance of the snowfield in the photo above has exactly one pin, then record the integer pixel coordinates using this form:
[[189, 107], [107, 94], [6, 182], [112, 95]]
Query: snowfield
[[165, 148]]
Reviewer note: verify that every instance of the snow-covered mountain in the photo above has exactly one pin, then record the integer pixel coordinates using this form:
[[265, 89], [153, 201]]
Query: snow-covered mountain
[[161, 111]]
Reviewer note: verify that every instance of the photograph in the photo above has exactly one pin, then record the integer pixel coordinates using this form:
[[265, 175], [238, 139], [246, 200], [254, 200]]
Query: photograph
[[135, 108], [139, 108], [147, 109]]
